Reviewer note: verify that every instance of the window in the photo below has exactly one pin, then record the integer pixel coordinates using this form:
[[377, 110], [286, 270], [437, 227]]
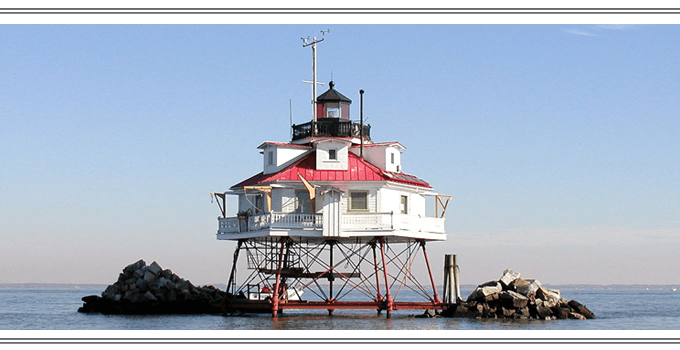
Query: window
[[333, 154], [392, 157], [270, 158], [358, 201], [404, 204], [259, 204], [302, 203], [332, 112]]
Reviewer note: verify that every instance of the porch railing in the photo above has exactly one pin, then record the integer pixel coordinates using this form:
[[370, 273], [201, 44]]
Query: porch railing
[[391, 221], [348, 222], [270, 220]]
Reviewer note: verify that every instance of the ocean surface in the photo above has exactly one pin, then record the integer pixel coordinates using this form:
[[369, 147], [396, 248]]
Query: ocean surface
[[619, 308]]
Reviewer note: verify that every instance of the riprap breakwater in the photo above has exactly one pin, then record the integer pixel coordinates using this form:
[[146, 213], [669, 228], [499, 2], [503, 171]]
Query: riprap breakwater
[[150, 289], [517, 298]]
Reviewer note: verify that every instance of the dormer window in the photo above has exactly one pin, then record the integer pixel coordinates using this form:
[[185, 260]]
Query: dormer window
[[276, 155], [331, 154]]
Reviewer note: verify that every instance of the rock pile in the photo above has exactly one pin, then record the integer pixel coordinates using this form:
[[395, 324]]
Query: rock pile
[[517, 298], [143, 289]]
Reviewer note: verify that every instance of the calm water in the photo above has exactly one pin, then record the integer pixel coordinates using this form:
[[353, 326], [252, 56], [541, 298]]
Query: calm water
[[631, 308]]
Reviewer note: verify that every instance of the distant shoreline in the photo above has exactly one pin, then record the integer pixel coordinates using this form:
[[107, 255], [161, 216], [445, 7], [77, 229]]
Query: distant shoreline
[[51, 286], [66, 286], [222, 286]]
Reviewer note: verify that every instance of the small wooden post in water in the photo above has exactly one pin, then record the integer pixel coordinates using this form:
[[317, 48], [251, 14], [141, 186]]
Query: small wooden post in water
[[451, 283]]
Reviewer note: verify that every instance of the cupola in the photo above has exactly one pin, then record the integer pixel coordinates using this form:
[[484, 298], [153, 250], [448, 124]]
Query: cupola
[[331, 120], [332, 104]]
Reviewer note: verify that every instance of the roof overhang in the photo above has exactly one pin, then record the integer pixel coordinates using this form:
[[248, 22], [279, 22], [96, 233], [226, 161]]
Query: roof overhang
[[281, 145], [384, 144]]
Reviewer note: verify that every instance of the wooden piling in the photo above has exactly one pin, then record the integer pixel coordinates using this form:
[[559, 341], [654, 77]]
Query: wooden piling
[[451, 283]]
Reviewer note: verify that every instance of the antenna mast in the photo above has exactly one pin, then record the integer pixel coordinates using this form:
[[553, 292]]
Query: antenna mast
[[305, 43]]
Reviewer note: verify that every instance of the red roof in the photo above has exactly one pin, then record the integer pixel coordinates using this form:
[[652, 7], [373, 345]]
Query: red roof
[[358, 170]]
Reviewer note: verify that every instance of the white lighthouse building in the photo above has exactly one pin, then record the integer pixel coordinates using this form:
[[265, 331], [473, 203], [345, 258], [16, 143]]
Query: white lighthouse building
[[320, 185], [331, 216]]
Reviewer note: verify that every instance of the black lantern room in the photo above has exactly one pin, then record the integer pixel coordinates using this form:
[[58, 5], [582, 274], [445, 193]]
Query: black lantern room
[[332, 104]]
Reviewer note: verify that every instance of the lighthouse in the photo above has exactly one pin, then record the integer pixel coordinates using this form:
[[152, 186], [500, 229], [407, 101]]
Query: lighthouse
[[333, 221]]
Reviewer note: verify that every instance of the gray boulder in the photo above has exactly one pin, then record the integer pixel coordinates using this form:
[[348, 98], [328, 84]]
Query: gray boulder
[[509, 276]]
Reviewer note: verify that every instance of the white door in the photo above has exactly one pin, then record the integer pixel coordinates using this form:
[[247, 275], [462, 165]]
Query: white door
[[331, 213]]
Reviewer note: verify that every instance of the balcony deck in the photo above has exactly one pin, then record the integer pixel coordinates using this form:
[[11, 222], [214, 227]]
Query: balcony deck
[[352, 226], [330, 127]]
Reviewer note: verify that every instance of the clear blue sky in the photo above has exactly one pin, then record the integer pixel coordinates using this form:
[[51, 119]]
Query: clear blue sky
[[558, 143]]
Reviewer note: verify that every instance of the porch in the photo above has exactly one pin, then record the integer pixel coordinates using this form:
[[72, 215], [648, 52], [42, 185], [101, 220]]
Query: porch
[[350, 224]]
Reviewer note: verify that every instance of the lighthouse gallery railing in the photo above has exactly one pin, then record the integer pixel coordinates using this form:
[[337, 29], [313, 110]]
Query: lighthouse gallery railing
[[331, 127]]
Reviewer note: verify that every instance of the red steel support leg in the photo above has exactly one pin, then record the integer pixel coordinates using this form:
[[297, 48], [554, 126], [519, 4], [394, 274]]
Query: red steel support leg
[[429, 270], [276, 292], [388, 297], [378, 297], [331, 278], [377, 275]]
